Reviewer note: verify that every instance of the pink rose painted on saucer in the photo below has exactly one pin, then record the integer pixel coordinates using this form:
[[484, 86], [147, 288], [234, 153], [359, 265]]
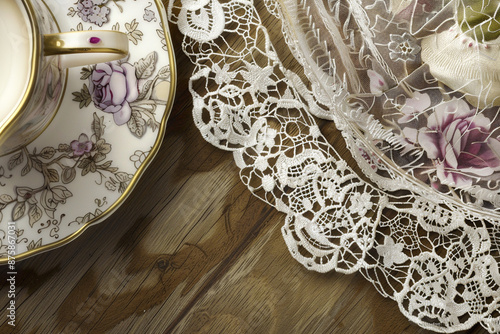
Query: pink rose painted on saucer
[[459, 143], [130, 92], [113, 87]]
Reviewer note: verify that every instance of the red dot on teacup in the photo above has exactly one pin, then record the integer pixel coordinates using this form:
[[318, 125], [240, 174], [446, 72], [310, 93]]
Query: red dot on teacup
[[94, 40]]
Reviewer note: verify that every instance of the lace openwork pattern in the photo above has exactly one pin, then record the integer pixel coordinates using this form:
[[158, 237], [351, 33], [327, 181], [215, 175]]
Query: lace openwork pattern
[[436, 258]]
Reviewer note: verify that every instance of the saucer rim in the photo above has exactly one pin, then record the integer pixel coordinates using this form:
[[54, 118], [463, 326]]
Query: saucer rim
[[139, 172]]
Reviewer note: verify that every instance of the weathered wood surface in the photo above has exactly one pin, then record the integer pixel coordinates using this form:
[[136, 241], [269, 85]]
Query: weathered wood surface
[[192, 251]]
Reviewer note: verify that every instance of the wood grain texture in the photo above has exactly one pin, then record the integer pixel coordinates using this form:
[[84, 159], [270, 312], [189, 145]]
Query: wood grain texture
[[192, 251]]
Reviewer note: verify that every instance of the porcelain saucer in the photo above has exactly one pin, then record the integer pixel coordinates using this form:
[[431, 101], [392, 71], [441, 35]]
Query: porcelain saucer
[[91, 156]]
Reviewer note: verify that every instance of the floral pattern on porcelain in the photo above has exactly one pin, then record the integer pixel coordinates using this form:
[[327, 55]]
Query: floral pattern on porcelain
[[113, 87], [126, 91], [109, 126], [93, 11]]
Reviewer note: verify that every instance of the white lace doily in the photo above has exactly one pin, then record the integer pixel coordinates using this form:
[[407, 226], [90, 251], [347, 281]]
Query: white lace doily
[[434, 254]]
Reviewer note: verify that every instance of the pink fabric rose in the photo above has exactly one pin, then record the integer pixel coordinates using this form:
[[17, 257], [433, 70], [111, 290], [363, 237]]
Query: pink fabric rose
[[113, 87], [459, 142], [377, 83], [414, 106]]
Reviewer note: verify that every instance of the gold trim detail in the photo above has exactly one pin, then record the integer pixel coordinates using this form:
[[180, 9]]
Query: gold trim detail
[[56, 44], [140, 170], [24, 101], [35, 64]]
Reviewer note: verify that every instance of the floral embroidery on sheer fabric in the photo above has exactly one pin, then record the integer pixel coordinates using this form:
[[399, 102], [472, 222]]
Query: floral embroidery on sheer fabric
[[412, 85]]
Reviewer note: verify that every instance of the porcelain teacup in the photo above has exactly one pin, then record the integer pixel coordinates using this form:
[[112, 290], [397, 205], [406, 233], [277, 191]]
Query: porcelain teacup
[[33, 62]]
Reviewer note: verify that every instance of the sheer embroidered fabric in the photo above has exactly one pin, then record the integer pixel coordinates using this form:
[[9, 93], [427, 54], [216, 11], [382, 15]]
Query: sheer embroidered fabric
[[427, 238]]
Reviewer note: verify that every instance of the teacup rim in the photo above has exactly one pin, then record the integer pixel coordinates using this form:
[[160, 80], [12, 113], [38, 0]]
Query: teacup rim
[[35, 54]]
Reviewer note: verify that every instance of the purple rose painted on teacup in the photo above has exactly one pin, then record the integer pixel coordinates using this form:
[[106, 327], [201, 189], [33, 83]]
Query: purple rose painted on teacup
[[113, 87], [459, 142]]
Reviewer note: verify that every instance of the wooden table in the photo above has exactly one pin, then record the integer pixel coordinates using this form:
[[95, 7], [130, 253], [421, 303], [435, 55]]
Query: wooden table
[[192, 251]]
